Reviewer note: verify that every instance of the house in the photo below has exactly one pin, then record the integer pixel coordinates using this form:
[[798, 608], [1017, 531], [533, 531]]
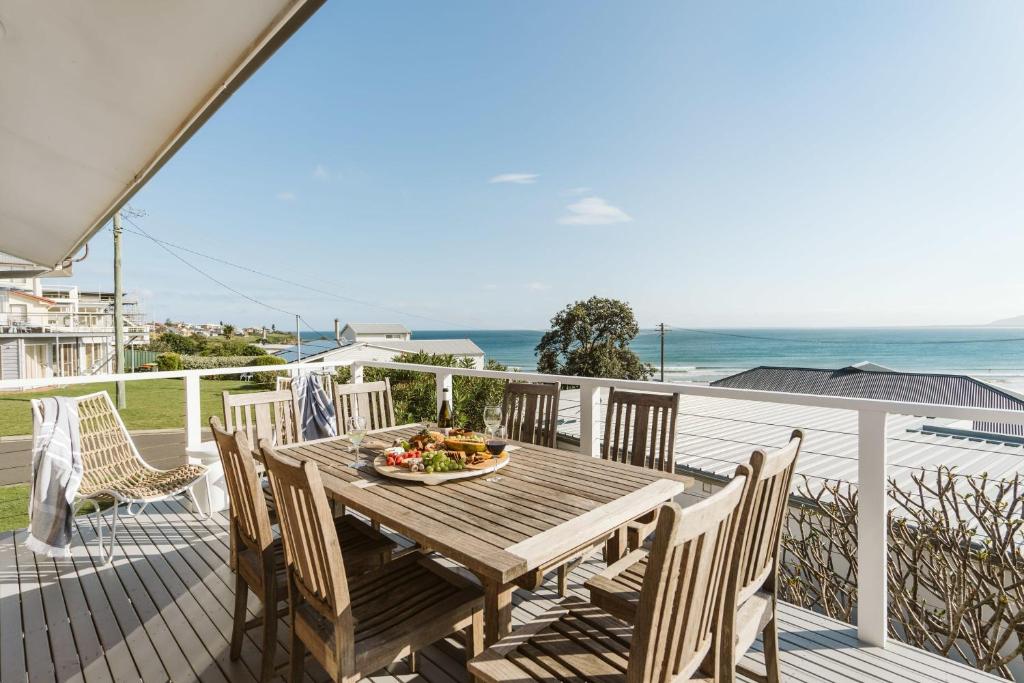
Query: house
[[326, 350], [51, 330], [868, 380], [373, 332]]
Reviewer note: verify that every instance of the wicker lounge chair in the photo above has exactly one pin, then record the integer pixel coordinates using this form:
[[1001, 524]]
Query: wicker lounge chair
[[114, 472]]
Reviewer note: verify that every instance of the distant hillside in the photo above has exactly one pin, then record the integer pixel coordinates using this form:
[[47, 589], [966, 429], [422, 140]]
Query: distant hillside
[[1017, 321]]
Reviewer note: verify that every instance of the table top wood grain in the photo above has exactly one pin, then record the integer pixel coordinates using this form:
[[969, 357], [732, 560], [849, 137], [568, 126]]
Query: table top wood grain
[[542, 506]]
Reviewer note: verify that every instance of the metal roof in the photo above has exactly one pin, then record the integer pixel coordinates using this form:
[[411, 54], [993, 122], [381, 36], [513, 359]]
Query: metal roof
[[454, 347], [96, 96], [715, 435], [858, 382]]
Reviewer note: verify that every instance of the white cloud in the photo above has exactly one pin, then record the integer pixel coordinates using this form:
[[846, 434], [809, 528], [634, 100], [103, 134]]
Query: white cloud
[[321, 172], [577, 190], [515, 178], [593, 211], [537, 286], [286, 196]]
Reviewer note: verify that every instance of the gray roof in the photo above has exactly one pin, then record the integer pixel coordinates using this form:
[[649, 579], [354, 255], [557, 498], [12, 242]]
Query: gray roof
[[865, 380], [378, 328], [860, 382], [714, 435], [455, 347]]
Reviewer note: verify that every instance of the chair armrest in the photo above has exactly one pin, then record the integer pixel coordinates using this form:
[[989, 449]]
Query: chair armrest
[[639, 529]]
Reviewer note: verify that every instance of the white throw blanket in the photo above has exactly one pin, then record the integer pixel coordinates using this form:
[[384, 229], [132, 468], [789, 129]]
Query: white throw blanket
[[56, 476], [316, 412]]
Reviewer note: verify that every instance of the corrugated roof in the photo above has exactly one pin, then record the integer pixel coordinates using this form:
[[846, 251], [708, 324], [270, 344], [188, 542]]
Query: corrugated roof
[[455, 347], [714, 435], [865, 382]]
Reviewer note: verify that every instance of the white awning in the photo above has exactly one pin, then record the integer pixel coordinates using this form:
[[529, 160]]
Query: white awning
[[96, 96]]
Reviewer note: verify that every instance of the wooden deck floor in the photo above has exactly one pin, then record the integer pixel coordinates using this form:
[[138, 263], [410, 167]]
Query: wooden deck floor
[[163, 612]]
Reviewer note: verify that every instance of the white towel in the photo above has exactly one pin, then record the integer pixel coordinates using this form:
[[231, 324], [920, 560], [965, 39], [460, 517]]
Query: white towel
[[56, 476]]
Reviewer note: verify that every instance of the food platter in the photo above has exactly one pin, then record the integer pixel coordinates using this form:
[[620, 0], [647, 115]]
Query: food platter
[[434, 478], [431, 457]]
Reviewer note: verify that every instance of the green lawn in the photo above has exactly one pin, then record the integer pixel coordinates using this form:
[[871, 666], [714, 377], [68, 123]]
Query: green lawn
[[152, 404], [13, 507]]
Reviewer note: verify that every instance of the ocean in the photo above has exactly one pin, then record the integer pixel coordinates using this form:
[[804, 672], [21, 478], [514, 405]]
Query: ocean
[[992, 353]]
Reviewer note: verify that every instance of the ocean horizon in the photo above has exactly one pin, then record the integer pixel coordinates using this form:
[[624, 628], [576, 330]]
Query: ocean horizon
[[995, 354]]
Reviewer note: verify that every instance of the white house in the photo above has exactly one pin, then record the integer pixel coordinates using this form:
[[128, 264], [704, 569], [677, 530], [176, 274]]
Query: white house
[[323, 350], [55, 330], [372, 332]]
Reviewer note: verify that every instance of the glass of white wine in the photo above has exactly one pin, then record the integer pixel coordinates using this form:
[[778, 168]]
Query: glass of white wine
[[492, 418], [356, 426]]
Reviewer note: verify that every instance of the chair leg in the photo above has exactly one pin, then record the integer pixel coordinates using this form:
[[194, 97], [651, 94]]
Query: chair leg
[[475, 636], [771, 650], [238, 628], [106, 555], [413, 663], [195, 502], [563, 580], [298, 657], [269, 640]]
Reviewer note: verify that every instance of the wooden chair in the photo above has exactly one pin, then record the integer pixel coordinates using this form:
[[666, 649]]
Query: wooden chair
[[371, 400], [355, 626], [640, 429], [271, 415], [679, 622], [257, 557], [113, 470], [617, 589], [529, 412]]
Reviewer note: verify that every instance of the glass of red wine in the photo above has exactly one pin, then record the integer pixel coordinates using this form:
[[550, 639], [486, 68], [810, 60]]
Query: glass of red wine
[[496, 442]]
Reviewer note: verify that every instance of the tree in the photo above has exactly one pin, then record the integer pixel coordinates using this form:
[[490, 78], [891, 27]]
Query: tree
[[591, 339], [229, 330]]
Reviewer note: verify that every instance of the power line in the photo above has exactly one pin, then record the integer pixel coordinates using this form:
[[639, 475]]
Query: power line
[[167, 245]]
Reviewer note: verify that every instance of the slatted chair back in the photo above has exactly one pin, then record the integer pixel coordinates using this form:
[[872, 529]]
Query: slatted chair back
[[529, 412], [761, 531], [109, 457], [325, 379], [311, 547], [371, 400], [271, 415], [681, 600], [249, 515], [640, 429]]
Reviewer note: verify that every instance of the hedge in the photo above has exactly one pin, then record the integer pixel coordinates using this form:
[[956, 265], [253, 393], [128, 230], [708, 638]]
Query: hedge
[[189, 362]]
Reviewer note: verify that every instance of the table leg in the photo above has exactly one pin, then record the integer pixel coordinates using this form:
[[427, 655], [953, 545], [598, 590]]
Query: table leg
[[615, 548], [497, 611]]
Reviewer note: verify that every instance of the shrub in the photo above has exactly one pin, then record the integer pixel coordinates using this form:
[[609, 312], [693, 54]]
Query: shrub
[[169, 361], [208, 362], [266, 377], [415, 394]]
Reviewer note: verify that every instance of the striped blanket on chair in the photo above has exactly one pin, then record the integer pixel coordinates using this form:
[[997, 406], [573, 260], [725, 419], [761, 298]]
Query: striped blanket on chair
[[56, 476]]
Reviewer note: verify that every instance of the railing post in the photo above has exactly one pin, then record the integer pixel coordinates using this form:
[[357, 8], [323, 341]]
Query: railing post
[[193, 414], [590, 413], [872, 530], [357, 373], [443, 380]]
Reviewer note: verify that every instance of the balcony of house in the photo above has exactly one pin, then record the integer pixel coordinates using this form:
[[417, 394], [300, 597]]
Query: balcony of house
[[163, 608]]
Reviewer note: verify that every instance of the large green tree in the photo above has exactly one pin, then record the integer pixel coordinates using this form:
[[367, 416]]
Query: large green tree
[[591, 339]]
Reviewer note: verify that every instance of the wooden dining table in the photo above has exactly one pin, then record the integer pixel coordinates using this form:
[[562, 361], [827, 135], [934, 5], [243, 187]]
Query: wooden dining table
[[507, 527]]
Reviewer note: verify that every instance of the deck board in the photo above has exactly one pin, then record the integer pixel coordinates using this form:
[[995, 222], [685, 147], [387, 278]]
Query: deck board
[[162, 612]]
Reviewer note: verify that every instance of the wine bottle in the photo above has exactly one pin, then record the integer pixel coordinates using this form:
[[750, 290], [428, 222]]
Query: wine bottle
[[445, 415]]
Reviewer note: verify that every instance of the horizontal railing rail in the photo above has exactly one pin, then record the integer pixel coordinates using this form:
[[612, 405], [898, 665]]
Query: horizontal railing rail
[[872, 617]]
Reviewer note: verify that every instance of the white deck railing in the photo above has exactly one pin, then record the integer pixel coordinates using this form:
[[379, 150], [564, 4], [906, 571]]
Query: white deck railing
[[872, 414]]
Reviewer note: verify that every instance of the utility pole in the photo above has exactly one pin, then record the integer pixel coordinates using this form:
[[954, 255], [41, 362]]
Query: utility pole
[[298, 338], [661, 326], [118, 313]]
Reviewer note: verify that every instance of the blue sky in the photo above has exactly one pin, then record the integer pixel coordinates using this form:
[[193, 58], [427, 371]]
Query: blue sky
[[484, 164]]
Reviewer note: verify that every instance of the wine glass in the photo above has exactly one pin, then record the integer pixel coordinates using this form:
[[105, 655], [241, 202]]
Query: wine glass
[[492, 418], [356, 426]]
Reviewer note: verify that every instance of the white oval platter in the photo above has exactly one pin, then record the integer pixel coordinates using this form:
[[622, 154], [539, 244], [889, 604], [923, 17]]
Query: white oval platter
[[435, 478]]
